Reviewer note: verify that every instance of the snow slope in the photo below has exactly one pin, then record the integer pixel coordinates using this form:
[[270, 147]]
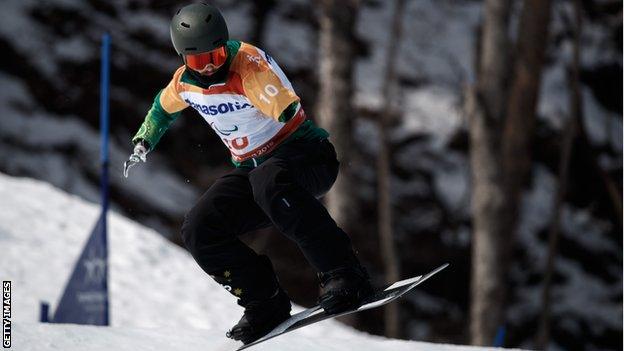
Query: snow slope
[[73, 338], [160, 299]]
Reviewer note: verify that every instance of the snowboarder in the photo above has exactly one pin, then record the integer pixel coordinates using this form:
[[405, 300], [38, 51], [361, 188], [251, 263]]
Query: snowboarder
[[283, 164]]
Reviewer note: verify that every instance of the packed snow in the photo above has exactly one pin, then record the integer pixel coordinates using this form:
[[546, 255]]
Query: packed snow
[[159, 296]]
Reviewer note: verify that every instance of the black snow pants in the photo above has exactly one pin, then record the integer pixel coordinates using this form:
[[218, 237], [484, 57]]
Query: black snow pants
[[282, 191]]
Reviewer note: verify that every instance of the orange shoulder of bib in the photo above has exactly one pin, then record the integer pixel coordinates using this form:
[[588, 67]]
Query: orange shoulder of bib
[[261, 84], [170, 99]]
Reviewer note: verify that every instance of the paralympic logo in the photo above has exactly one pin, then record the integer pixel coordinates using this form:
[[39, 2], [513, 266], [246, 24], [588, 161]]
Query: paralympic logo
[[223, 132]]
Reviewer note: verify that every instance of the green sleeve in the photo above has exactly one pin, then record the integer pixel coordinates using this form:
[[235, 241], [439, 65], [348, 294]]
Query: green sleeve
[[155, 124], [289, 112]]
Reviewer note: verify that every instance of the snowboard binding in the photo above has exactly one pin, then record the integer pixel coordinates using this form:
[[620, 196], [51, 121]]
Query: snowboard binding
[[261, 317], [344, 289]]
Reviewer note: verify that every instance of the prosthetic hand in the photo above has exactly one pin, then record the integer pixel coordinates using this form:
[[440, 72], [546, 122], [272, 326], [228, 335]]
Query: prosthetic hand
[[139, 154]]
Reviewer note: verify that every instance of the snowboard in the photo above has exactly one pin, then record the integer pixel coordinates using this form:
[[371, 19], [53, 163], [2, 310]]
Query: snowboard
[[316, 314]]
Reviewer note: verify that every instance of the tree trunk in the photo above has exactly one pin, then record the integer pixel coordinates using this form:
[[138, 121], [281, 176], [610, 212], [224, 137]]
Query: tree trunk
[[334, 109], [520, 121], [500, 166], [485, 108], [390, 255], [489, 211]]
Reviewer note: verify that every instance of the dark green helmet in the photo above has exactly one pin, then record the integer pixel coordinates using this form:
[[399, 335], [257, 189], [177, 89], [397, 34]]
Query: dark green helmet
[[198, 28]]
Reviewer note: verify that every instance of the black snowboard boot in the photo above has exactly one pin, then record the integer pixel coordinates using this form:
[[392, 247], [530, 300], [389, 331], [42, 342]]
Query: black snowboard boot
[[344, 288], [257, 289], [261, 317]]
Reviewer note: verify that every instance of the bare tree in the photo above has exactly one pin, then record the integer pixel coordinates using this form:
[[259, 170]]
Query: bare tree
[[334, 107], [526, 80], [389, 252], [485, 107], [501, 111]]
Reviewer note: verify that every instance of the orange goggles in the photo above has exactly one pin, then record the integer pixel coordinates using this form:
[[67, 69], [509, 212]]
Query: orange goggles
[[206, 62]]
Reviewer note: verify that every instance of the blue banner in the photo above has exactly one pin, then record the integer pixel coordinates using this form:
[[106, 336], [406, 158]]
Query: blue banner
[[85, 300]]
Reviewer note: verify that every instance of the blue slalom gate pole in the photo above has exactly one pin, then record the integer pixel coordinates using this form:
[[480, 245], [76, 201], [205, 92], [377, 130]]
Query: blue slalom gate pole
[[104, 123], [104, 131]]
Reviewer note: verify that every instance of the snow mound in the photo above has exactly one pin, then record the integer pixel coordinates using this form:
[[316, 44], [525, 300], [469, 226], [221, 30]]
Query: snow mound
[[159, 296]]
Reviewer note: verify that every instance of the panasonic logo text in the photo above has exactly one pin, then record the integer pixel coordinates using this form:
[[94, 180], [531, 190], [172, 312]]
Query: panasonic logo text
[[223, 108]]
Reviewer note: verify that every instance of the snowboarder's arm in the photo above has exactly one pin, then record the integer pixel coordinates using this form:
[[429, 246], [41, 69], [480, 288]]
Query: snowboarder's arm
[[166, 108], [156, 123]]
